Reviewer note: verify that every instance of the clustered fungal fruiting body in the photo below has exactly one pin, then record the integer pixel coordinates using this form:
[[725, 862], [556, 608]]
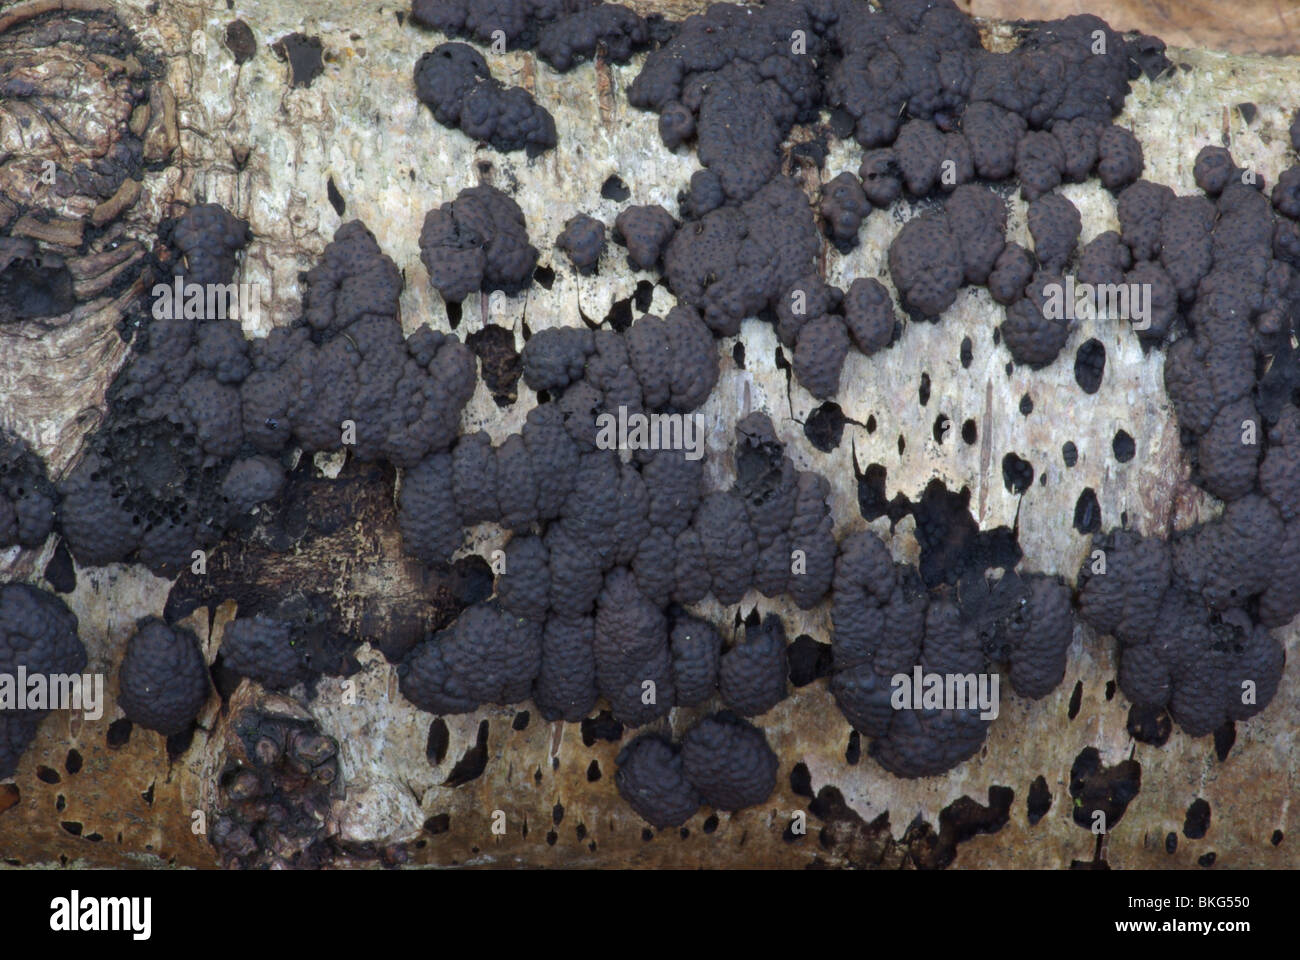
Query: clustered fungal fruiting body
[[38, 636], [606, 553], [454, 81], [163, 680]]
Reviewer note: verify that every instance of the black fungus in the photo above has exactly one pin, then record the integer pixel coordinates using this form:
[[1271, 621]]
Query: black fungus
[[163, 680], [478, 241]]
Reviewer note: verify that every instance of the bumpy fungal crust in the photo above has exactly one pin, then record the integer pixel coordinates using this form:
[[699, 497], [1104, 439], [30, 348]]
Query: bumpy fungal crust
[[601, 546], [583, 240], [555, 357], [566, 680], [486, 656], [1279, 473], [1078, 138], [1040, 163], [752, 675], [1141, 207], [1011, 273], [720, 65], [1205, 670], [1119, 156], [819, 355], [454, 81], [729, 762], [696, 650], [38, 633], [27, 497], [163, 679], [651, 779], [479, 241], [737, 260], [610, 27], [1122, 595], [843, 208], [633, 666], [354, 277], [1032, 331], [923, 742], [252, 481], [674, 359], [1037, 639], [993, 134], [150, 491], [644, 230], [1286, 193], [1055, 224], [926, 264], [1214, 169], [977, 218], [1104, 259], [880, 176], [209, 237], [265, 650], [869, 315], [519, 21]]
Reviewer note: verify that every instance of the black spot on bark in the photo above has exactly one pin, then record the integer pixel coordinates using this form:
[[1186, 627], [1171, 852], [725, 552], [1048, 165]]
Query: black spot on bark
[[60, 572], [335, 198], [1097, 787], [602, 726], [1090, 365], [240, 41], [1224, 738], [1087, 512], [1148, 724], [824, 427], [941, 423], [435, 747], [473, 762], [809, 660], [438, 823], [304, 56], [1017, 474], [801, 780], [1123, 446], [615, 189], [1039, 800], [499, 361], [1197, 822], [119, 733]]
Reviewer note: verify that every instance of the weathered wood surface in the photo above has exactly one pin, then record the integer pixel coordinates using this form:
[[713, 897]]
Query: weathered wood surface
[[266, 150]]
